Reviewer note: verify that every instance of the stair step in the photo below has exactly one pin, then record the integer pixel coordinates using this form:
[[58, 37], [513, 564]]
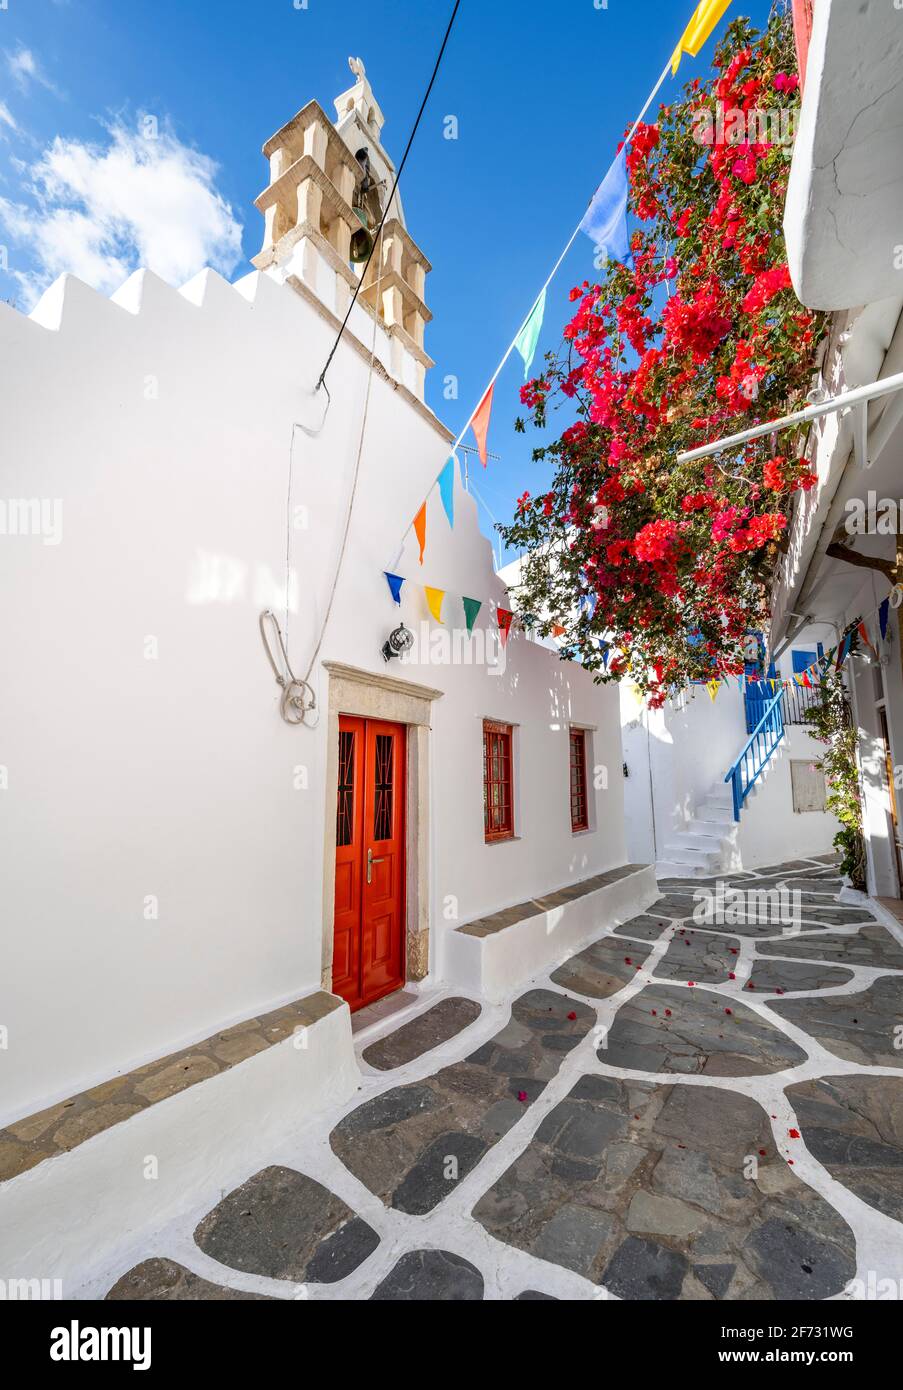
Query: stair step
[[720, 829], [679, 853], [715, 811], [720, 796], [701, 839], [669, 868]]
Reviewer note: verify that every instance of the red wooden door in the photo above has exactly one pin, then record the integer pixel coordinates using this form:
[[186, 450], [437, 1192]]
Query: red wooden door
[[368, 951]]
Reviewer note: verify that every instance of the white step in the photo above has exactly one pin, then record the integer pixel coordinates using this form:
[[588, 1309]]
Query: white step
[[701, 839], [715, 811], [721, 794], [679, 853], [714, 829], [666, 868]]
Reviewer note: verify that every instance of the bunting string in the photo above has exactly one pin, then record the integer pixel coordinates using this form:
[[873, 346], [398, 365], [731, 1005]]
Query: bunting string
[[435, 599], [605, 222], [813, 674]]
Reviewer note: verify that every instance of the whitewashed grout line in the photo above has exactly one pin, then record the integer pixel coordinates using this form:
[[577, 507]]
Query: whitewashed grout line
[[506, 1270]]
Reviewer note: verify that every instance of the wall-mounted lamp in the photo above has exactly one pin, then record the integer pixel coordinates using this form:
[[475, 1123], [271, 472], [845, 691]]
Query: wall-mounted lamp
[[398, 642]]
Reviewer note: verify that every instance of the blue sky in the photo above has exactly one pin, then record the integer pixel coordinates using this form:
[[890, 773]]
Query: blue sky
[[542, 93]]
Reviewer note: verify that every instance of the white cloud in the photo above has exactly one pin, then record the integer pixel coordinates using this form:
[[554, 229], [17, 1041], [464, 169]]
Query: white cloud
[[7, 118], [100, 211], [24, 69]]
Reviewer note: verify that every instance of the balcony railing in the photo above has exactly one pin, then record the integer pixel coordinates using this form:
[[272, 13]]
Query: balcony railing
[[798, 700]]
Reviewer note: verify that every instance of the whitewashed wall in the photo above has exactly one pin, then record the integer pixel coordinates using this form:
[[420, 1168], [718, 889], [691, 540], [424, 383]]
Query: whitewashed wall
[[690, 744], [161, 423], [770, 831], [678, 755]]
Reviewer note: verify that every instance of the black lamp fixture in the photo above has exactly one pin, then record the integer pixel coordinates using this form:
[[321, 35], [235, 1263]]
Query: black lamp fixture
[[398, 642]]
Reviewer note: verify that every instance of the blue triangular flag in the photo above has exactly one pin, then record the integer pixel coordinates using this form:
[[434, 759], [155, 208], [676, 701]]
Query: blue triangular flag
[[394, 582], [883, 616], [605, 220], [447, 489], [604, 649]]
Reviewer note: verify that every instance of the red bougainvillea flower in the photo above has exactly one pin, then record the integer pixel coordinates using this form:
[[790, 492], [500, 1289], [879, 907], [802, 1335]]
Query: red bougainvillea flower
[[675, 551], [654, 542], [780, 474], [766, 287]]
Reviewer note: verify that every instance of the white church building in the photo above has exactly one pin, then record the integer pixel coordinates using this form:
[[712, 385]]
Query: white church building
[[210, 876]]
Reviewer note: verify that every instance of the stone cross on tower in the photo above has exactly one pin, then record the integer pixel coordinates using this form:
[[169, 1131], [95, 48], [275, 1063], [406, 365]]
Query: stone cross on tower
[[310, 218]]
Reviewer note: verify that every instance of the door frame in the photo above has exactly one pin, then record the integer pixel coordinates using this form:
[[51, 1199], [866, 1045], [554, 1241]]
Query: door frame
[[367, 695]]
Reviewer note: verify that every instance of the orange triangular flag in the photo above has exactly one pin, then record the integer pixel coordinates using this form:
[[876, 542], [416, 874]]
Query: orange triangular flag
[[420, 530], [434, 598], [480, 423]]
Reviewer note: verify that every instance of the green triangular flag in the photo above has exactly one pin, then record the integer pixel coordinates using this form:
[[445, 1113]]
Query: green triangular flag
[[528, 337], [472, 607]]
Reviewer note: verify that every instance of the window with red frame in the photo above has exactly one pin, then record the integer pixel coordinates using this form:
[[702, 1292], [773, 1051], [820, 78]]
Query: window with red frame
[[579, 798], [498, 782]]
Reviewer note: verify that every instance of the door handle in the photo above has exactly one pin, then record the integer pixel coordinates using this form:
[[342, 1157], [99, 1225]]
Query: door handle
[[370, 862]]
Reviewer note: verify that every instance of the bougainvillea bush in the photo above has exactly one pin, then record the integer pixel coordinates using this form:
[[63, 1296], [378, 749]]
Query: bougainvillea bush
[[699, 337]]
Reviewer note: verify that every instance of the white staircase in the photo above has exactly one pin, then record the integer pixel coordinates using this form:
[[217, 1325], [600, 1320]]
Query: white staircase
[[708, 844]]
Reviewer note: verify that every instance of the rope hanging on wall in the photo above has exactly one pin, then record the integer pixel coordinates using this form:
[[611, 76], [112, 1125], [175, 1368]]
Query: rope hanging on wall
[[298, 699]]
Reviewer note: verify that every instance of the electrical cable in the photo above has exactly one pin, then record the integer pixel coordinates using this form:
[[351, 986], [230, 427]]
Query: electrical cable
[[321, 380]]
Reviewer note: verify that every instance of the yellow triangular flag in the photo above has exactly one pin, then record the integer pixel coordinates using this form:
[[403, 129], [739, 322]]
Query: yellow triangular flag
[[434, 598], [713, 687], [706, 17]]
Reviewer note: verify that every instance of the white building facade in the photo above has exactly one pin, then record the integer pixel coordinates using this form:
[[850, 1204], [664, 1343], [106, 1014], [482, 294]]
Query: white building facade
[[175, 862], [843, 219]]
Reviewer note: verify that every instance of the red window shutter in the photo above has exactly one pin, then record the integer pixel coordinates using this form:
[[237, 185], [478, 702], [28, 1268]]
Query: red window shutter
[[579, 797], [498, 782]]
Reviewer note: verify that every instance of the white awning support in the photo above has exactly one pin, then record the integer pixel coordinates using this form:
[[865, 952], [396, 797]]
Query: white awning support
[[859, 398]]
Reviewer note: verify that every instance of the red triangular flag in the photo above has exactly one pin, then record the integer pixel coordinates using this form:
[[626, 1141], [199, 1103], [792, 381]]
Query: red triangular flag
[[864, 634], [480, 423], [504, 620], [806, 681], [420, 530]]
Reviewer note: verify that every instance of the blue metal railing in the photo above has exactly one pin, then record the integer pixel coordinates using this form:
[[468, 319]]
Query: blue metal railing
[[798, 700], [756, 755]]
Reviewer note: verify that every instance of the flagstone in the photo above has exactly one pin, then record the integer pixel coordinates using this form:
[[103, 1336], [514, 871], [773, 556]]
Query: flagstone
[[440, 1023], [770, 975], [837, 915], [854, 1126], [857, 1027], [602, 969], [411, 1146], [284, 1225], [695, 955], [870, 945], [694, 1217], [646, 927], [663, 1029], [163, 1280], [819, 886], [425, 1276]]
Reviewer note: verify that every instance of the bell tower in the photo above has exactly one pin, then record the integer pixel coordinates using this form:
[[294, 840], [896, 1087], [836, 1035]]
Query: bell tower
[[329, 182]]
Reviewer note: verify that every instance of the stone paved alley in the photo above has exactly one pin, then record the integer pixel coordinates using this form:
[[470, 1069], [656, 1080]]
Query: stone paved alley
[[676, 1112]]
